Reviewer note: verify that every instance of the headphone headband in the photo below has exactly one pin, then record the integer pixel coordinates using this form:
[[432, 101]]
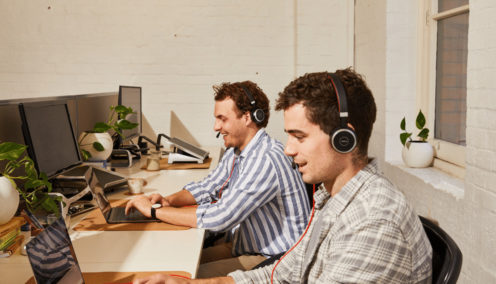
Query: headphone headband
[[342, 101], [250, 97], [257, 114]]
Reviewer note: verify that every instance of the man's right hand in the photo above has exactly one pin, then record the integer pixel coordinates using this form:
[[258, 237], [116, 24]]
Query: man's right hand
[[157, 198]]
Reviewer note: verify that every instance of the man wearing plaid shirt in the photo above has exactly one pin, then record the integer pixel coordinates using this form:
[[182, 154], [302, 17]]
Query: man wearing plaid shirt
[[362, 229]]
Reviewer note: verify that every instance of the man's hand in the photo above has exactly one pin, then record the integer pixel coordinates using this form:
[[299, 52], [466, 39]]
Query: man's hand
[[157, 198], [142, 203]]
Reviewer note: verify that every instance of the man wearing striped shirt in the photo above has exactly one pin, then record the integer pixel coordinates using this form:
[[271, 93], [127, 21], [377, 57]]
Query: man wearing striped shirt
[[362, 229], [254, 195]]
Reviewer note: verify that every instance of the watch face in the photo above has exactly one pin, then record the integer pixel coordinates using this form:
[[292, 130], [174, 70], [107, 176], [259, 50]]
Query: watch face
[[156, 205]]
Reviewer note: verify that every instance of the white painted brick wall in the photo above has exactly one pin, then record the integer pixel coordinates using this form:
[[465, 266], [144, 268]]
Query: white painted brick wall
[[469, 219], [176, 50]]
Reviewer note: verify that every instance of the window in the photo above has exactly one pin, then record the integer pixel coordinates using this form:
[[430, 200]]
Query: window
[[443, 79]]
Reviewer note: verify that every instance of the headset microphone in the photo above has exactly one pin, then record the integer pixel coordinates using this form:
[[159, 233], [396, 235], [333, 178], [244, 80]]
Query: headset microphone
[[218, 134], [293, 164]]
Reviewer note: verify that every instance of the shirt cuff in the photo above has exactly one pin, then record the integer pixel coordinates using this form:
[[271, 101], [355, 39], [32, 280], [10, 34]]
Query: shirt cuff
[[200, 211], [239, 276]]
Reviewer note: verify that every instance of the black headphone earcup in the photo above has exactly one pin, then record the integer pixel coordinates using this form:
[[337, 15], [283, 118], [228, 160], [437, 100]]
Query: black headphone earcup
[[343, 140], [258, 116]]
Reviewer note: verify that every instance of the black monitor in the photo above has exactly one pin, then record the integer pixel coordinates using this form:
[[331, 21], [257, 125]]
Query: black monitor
[[48, 133], [131, 97]]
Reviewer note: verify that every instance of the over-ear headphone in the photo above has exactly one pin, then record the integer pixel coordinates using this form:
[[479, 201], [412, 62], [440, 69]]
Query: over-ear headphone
[[343, 138], [256, 113]]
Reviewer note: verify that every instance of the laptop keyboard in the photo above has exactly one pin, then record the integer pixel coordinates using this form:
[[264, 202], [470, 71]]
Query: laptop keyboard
[[118, 213]]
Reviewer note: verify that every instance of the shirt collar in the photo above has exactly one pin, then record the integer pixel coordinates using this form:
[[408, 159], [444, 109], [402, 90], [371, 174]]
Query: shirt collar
[[348, 192], [252, 144]]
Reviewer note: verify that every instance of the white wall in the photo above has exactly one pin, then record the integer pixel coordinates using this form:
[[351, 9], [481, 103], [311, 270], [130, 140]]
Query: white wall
[[466, 209], [175, 50]]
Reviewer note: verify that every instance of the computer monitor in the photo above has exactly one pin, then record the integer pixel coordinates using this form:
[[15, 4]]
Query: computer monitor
[[48, 133], [130, 96]]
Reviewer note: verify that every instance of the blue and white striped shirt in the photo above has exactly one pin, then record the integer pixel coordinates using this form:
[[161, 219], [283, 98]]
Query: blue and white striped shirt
[[264, 206]]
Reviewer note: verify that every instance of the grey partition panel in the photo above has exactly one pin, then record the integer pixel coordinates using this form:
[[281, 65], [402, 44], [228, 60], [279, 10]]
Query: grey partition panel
[[10, 124], [92, 109], [85, 111]]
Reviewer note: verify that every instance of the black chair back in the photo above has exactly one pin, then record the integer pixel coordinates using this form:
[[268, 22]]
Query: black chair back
[[446, 256]]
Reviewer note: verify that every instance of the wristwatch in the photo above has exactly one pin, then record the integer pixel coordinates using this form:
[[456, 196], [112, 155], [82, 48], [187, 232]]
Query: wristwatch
[[154, 208]]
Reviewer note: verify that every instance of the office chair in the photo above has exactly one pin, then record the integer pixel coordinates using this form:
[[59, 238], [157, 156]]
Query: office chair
[[446, 256]]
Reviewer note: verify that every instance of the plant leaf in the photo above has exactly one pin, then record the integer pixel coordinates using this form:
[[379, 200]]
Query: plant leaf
[[402, 124], [120, 109], [424, 134], [50, 205], [11, 151], [404, 136], [420, 122], [125, 124], [98, 146], [85, 154], [101, 127]]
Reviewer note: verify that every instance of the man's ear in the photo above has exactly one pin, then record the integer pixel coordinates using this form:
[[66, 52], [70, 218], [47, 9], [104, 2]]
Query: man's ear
[[247, 118]]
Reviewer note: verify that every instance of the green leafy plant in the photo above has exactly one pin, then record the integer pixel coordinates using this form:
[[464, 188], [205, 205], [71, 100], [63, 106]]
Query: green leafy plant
[[420, 123], [116, 121], [36, 186]]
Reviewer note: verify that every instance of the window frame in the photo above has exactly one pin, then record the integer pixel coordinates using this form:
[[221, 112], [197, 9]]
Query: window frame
[[449, 157]]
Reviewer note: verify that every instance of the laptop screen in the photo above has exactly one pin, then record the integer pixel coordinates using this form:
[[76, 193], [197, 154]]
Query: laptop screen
[[52, 256], [49, 135], [99, 195]]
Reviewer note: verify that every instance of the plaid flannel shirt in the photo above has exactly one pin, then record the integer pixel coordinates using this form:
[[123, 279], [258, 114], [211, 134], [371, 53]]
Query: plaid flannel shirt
[[369, 234]]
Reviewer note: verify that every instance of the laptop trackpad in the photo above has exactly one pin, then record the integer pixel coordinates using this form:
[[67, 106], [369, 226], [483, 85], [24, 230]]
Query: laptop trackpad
[[117, 214]]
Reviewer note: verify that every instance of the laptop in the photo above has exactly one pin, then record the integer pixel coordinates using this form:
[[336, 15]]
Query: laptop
[[185, 152], [52, 145], [52, 256], [114, 215]]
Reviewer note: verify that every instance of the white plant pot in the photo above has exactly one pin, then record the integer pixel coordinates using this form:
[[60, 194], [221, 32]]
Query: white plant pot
[[87, 144], [417, 154], [9, 200]]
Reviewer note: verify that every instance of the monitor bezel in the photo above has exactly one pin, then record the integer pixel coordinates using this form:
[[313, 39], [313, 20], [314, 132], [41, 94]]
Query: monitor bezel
[[28, 139]]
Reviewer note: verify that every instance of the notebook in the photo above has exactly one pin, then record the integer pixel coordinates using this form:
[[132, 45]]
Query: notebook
[[52, 256], [114, 215]]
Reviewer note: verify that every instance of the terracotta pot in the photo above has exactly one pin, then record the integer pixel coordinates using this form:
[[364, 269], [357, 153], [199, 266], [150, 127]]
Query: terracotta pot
[[417, 154], [9, 200], [87, 144]]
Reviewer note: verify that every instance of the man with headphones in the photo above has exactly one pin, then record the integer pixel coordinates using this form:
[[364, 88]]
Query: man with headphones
[[362, 229], [254, 195]]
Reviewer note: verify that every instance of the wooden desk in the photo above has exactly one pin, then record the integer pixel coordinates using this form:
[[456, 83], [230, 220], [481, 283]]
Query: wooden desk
[[130, 251]]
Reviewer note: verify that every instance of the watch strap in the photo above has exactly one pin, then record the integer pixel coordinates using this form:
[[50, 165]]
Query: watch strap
[[153, 213]]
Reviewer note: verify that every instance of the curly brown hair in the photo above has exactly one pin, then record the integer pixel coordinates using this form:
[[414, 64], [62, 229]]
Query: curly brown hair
[[235, 92], [316, 92]]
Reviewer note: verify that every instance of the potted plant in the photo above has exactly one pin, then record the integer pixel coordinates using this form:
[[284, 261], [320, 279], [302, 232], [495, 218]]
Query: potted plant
[[416, 153], [35, 190], [96, 144]]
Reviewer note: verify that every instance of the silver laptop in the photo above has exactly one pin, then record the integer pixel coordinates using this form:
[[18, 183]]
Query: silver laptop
[[52, 256], [114, 215]]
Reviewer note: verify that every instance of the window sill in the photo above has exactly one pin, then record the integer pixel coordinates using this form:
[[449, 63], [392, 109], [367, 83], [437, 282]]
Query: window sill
[[434, 177]]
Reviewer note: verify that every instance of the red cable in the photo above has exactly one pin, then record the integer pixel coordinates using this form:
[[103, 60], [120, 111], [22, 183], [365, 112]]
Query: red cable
[[222, 187], [181, 276], [308, 226]]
